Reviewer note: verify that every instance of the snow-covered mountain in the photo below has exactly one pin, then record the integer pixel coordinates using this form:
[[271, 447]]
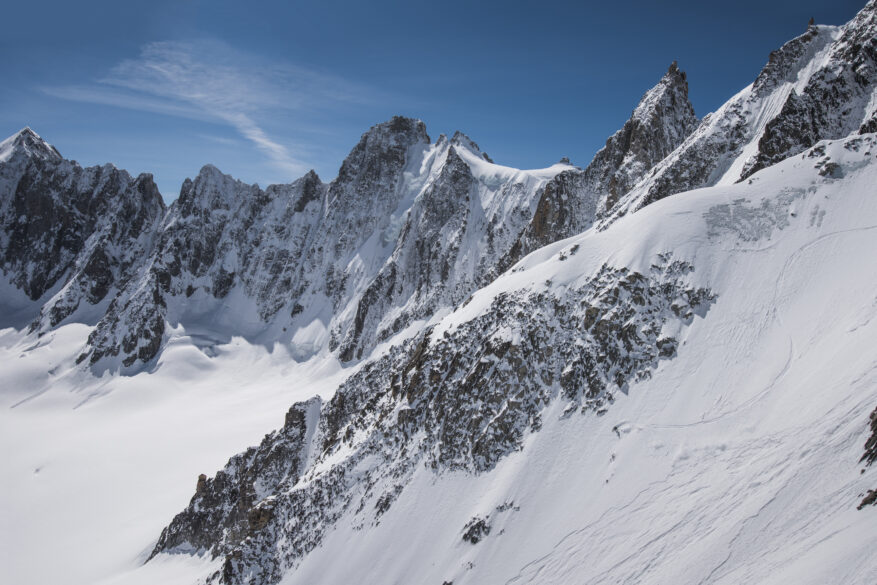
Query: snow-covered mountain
[[605, 412], [70, 237], [408, 229], [817, 86], [496, 376]]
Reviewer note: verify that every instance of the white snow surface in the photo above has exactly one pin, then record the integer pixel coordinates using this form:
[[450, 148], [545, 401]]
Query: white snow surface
[[95, 467], [737, 462]]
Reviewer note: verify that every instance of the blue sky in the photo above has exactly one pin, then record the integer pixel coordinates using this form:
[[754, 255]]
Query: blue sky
[[267, 90]]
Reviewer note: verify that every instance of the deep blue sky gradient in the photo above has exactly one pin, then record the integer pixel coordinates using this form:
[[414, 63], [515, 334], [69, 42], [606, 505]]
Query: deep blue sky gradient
[[529, 81]]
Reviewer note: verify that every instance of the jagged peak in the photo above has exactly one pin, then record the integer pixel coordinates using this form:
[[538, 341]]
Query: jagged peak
[[210, 172], [30, 143], [784, 63], [453, 157], [311, 175], [306, 188], [400, 128], [145, 184], [381, 151], [674, 70], [211, 186], [460, 139], [672, 87]]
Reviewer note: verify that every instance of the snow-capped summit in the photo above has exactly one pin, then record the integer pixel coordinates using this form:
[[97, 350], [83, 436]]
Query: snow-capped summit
[[407, 229], [28, 143], [460, 139]]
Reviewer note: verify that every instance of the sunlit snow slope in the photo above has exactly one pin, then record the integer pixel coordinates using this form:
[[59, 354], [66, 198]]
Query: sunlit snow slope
[[736, 463]]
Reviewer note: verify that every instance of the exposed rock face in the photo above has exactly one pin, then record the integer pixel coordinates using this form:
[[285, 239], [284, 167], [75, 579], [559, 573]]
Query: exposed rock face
[[825, 80], [565, 208], [834, 102], [218, 235], [475, 530], [423, 260], [871, 444], [575, 199], [407, 228], [233, 505], [77, 233], [868, 458], [461, 401], [661, 121]]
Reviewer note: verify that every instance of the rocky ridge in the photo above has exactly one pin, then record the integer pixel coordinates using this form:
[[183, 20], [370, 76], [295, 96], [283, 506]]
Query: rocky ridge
[[408, 228], [71, 237], [817, 86]]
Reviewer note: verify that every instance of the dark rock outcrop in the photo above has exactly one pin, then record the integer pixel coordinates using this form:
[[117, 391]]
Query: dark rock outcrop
[[74, 232]]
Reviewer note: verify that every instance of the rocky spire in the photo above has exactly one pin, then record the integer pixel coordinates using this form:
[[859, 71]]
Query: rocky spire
[[834, 101], [572, 200], [663, 118]]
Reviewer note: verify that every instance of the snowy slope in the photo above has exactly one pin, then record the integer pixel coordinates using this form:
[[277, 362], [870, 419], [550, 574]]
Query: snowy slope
[[733, 458], [737, 460], [93, 467], [505, 395]]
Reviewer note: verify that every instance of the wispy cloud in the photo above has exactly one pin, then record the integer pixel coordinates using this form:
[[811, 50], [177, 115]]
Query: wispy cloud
[[208, 80], [224, 141]]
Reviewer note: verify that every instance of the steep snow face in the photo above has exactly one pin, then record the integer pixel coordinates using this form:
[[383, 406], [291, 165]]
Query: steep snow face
[[818, 86], [70, 237], [836, 101], [546, 428]]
